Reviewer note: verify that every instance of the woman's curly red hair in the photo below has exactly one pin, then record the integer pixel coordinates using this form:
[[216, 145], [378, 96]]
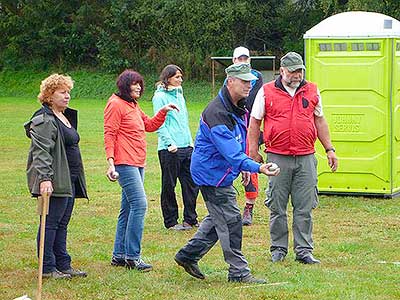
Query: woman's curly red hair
[[51, 84]]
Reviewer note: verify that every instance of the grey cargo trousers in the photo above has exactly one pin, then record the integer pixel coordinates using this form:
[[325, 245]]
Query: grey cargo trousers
[[298, 178], [223, 223]]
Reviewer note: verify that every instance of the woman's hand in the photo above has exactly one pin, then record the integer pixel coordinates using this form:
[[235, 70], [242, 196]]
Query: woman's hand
[[46, 187], [169, 107], [172, 148], [111, 174]]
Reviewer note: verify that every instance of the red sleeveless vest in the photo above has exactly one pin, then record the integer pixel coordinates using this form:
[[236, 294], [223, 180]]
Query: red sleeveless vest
[[289, 127]]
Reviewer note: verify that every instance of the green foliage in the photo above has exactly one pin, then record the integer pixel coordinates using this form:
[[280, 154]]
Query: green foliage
[[183, 32], [387, 7], [44, 33], [297, 18], [112, 35], [142, 34]]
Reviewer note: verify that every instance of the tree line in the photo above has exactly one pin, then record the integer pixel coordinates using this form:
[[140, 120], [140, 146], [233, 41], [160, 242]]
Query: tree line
[[110, 35]]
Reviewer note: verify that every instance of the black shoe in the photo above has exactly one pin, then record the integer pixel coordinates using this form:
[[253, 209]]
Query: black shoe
[[138, 264], [277, 257], [248, 279], [75, 273], [191, 268], [56, 275], [118, 262], [308, 259]]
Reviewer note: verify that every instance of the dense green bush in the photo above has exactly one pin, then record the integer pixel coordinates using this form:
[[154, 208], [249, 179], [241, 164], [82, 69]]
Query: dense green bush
[[111, 35]]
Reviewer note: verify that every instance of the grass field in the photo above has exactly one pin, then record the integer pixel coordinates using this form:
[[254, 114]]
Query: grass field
[[352, 235]]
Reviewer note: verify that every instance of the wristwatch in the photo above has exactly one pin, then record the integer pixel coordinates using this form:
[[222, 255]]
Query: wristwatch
[[330, 149]]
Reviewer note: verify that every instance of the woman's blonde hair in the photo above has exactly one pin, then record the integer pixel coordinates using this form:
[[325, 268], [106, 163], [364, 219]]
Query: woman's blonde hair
[[51, 84]]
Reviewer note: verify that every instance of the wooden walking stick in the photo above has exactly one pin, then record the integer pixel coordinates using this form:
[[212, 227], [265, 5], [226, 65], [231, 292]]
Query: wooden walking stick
[[43, 210]]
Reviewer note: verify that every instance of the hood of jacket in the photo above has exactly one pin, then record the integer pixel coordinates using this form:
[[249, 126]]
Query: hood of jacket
[[69, 113], [170, 90]]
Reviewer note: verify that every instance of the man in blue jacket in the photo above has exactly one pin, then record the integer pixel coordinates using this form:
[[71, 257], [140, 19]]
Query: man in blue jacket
[[242, 55], [218, 158]]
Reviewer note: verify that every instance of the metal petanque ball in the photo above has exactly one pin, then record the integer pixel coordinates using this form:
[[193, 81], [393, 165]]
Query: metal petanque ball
[[115, 175], [273, 167]]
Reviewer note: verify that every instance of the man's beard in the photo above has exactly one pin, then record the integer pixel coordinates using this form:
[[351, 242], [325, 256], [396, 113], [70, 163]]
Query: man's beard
[[293, 84]]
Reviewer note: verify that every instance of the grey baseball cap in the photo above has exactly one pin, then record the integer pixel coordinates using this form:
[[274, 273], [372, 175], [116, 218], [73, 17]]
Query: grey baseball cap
[[241, 71], [292, 61]]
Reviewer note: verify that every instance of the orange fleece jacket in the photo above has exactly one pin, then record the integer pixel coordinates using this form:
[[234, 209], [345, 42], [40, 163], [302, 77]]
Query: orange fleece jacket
[[125, 125]]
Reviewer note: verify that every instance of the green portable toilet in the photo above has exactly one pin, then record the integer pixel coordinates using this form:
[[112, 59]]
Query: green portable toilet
[[354, 57]]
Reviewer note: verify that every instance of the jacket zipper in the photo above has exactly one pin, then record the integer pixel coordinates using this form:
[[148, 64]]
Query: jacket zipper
[[223, 177]]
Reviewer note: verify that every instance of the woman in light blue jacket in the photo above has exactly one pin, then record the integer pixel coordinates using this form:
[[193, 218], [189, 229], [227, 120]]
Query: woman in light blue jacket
[[175, 151]]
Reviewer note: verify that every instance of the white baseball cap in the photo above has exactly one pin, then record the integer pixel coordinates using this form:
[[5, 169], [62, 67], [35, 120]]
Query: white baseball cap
[[241, 51]]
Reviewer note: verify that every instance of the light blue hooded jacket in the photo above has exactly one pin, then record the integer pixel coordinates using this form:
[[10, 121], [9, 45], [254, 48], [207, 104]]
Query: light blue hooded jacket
[[175, 130]]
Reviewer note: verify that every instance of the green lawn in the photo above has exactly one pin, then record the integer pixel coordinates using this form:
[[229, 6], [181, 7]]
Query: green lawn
[[352, 235]]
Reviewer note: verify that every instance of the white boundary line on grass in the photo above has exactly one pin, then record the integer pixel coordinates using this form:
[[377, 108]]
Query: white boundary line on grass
[[389, 262]]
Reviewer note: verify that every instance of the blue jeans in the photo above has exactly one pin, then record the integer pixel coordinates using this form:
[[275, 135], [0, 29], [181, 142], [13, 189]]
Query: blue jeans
[[55, 241], [130, 224]]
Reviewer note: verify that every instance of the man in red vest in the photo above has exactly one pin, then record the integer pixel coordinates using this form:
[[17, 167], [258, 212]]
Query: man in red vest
[[291, 109]]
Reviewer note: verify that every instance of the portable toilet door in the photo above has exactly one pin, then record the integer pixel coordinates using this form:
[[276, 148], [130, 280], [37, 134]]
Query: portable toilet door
[[354, 57]]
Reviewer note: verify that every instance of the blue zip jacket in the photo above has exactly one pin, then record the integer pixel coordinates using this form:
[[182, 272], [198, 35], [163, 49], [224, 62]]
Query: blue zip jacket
[[175, 130], [219, 149]]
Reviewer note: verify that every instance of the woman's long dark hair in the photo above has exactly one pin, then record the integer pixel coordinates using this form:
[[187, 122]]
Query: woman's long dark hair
[[168, 72], [124, 82]]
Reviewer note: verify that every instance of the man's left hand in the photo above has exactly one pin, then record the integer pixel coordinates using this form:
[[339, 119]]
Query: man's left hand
[[332, 160], [245, 178]]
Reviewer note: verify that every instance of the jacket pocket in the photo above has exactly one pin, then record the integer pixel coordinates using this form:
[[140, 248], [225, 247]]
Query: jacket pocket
[[224, 177]]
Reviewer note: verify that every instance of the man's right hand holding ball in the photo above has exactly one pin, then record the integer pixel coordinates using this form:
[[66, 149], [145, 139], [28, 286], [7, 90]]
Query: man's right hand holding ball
[[269, 169]]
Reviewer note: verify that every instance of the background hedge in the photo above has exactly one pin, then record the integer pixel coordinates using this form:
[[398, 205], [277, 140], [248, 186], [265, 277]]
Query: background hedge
[[110, 35]]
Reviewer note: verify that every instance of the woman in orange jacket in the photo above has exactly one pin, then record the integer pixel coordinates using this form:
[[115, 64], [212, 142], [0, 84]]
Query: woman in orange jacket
[[125, 125]]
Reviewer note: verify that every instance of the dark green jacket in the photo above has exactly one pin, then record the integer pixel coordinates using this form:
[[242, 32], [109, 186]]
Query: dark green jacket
[[47, 159]]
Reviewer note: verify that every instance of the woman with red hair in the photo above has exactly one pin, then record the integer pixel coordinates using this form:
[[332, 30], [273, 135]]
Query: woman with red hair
[[55, 168], [125, 125]]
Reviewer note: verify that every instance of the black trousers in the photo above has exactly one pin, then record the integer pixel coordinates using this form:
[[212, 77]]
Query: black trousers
[[173, 166], [55, 239]]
